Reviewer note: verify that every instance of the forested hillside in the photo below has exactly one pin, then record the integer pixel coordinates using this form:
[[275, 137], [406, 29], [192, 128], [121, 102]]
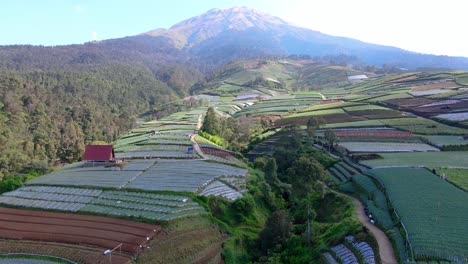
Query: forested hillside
[[50, 116]]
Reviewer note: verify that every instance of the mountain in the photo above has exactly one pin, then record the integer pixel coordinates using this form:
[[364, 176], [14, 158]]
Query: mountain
[[214, 38], [240, 32]]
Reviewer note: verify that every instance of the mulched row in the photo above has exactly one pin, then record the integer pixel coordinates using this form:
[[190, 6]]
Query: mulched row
[[75, 229]]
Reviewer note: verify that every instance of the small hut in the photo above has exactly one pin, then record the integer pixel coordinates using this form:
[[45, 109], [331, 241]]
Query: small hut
[[99, 153]]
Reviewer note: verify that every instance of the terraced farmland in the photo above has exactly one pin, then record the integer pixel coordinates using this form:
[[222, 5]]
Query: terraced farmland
[[433, 211], [95, 175], [147, 206], [342, 172], [91, 178], [165, 138], [279, 106], [443, 159], [75, 229], [218, 188], [183, 175], [386, 147], [441, 141]]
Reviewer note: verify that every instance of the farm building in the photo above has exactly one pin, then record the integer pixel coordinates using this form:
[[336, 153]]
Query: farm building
[[357, 77], [99, 153]]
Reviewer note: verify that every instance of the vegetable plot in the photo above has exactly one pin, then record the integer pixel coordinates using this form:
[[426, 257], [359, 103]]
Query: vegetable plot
[[433, 211], [113, 203]]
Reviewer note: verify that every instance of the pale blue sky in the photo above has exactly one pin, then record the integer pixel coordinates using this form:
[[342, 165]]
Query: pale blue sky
[[428, 26]]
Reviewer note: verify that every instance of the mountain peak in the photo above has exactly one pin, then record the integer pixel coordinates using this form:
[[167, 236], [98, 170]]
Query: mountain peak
[[218, 20]]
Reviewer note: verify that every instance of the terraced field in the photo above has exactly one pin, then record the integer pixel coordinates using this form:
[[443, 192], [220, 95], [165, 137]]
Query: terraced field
[[433, 211], [75, 229], [185, 176], [74, 253], [149, 175], [165, 138], [441, 141], [147, 206], [386, 147], [443, 159]]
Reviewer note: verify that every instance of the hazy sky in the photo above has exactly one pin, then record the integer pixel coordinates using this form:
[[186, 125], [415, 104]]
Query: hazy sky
[[431, 26]]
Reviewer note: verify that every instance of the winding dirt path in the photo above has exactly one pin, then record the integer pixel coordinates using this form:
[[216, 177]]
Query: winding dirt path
[[387, 255], [195, 144]]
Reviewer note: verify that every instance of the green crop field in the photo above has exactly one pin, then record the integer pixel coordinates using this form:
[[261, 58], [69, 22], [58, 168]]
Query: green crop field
[[433, 211], [330, 106], [443, 159], [319, 112], [441, 141], [458, 177], [364, 107], [366, 123], [423, 126]]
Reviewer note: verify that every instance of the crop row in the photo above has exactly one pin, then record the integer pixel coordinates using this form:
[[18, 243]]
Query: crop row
[[173, 175], [62, 190], [115, 203], [218, 188], [386, 147], [115, 179], [366, 251], [183, 175], [436, 219], [155, 154], [442, 159]]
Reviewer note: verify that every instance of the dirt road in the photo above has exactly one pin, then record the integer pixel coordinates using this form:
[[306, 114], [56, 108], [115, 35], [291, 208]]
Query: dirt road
[[195, 144], [387, 255]]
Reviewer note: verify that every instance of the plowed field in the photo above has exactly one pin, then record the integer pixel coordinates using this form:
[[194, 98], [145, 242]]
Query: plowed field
[[75, 229]]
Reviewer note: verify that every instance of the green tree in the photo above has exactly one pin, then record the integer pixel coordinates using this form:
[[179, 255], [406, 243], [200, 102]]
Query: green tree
[[312, 125], [10, 184], [211, 123], [278, 229], [270, 169], [331, 138], [306, 175]]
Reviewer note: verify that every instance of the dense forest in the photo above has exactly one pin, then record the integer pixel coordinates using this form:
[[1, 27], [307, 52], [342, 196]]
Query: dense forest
[[48, 117]]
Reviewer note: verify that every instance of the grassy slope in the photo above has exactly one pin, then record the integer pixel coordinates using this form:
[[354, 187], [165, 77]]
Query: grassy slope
[[185, 241]]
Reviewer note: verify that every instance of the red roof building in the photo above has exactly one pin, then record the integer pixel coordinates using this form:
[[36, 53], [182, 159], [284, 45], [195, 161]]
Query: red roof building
[[99, 153]]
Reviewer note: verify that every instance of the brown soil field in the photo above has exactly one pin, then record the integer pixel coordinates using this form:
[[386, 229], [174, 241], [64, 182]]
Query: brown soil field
[[432, 86], [217, 152], [416, 105], [409, 102], [328, 119], [75, 229], [441, 109], [76, 253]]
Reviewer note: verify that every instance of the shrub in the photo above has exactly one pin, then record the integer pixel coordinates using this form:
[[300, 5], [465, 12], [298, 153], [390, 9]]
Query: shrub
[[10, 184]]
